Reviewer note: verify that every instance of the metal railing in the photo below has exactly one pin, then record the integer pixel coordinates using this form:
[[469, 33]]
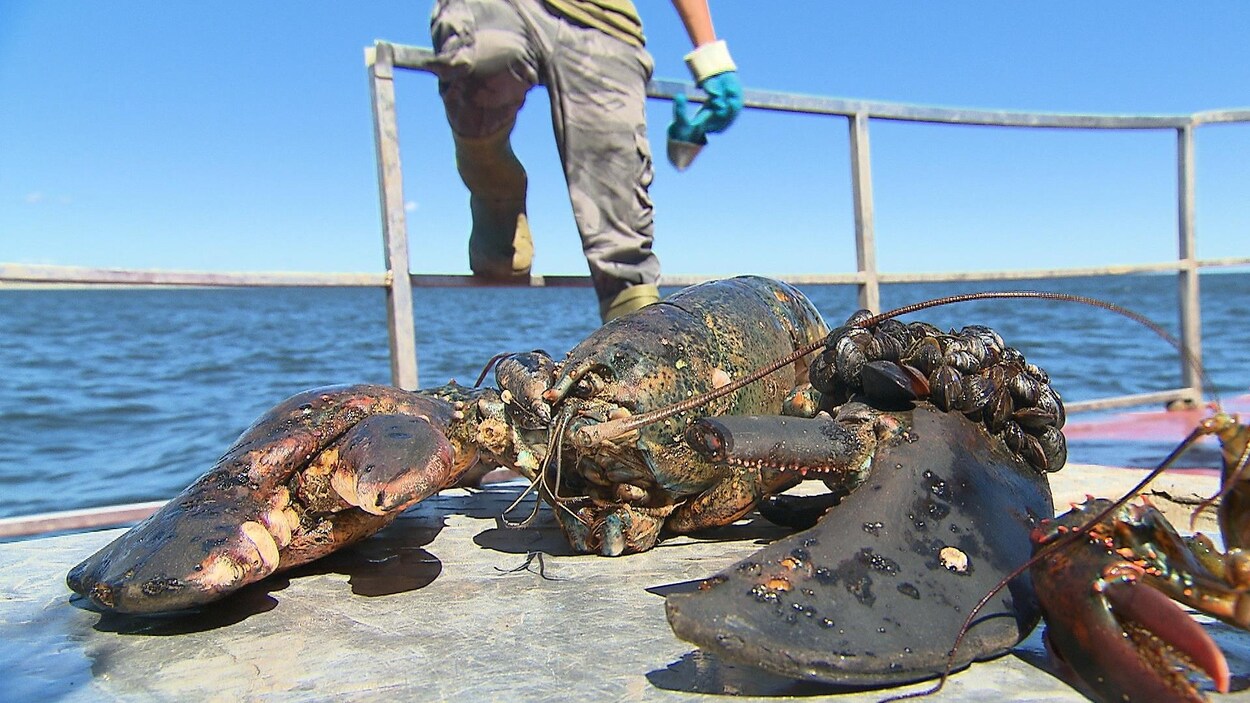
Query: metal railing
[[381, 60], [384, 57]]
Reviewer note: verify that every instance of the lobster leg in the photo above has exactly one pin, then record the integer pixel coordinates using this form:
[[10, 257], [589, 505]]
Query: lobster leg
[[1234, 511], [321, 470], [762, 455]]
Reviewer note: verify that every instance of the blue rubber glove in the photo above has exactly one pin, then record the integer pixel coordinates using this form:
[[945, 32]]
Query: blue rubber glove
[[724, 102], [682, 129]]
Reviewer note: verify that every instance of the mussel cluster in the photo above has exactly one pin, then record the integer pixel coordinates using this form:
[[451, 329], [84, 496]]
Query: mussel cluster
[[970, 371]]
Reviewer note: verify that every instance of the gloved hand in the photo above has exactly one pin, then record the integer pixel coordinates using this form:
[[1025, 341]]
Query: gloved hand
[[724, 102], [716, 74], [682, 129]]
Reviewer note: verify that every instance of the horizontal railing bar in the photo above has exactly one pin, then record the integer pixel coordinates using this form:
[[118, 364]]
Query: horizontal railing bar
[[84, 519], [460, 280], [74, 275], [419, 59], [1126, 401], [794, 279], [29, 273], [1221, 116], [1118, 270], [819, 105]]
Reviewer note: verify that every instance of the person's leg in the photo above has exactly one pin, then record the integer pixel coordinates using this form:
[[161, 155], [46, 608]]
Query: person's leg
[[597, 86], [485, 66]]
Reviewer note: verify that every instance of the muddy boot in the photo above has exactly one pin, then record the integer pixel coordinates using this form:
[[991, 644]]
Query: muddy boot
[[500, 247], [629, 300]]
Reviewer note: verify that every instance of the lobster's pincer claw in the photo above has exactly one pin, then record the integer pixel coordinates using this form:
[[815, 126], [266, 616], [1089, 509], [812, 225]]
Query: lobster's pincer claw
[[1110, 624]]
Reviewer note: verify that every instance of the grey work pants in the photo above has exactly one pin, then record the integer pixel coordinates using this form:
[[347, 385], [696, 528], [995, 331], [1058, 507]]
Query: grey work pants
[[491, 52]]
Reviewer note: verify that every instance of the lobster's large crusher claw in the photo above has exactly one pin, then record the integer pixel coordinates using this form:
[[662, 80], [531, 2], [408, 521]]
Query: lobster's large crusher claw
[[321, 470], [877, 591]]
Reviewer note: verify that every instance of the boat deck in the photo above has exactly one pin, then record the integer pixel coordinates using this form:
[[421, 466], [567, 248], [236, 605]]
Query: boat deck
[[446, 605]]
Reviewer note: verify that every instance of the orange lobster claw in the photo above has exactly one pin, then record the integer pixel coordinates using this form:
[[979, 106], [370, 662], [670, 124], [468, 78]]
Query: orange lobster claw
[[1109, 613]]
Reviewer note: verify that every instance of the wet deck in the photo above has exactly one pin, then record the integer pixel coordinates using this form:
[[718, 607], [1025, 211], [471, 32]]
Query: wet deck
[[443, 606]]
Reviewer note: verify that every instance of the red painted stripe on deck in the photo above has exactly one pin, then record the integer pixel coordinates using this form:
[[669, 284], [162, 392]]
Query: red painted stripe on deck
[[1156, 426]]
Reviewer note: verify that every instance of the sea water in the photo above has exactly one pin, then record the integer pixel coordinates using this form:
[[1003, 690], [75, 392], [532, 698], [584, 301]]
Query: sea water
[[116, 396]]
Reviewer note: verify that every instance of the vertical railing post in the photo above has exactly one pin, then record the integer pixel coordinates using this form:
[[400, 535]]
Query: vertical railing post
[[380, 60], [865, 235], [1190, 308]]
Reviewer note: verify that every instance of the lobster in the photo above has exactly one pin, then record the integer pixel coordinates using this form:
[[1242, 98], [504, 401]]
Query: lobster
[[935, 445], [1109, 571], [950, 436], [1103, 575], [331, 466], [321, 470]]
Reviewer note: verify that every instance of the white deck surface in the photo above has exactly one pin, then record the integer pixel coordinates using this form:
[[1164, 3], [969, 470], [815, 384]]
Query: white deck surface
[[437, 608]]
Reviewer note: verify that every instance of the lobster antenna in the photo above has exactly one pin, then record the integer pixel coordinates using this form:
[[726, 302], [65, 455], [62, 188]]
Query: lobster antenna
[[591, 435], [513, 505], [490, 365], [539, 481]]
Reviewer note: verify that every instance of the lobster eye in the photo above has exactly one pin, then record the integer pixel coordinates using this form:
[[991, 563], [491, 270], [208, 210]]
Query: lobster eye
[[710, 438], [589, 385]]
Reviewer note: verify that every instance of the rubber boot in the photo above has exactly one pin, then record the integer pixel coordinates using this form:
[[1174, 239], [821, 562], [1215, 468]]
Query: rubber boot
[[500, 246], [629, 300]]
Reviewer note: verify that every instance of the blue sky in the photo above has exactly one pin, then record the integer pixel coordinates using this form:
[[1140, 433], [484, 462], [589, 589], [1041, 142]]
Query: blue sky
[[237, 137]]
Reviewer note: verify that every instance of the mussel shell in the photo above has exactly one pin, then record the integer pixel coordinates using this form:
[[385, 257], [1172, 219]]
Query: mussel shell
[[885, 348], [999, 409], [923, 329], [1032, 451], [976, 392], [892, 385], [858, 316], [925, 354], [1025, 389], [972, 346], [849, 355], [945, 387], [1036, 416], [1054, 448], [993, 342], [1050, 398], [890, 340], [962, 359], [1014, 436], [822, 373]]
